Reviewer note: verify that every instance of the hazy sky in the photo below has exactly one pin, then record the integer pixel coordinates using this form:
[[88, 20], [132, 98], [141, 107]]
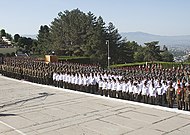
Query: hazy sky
[[163, 17]]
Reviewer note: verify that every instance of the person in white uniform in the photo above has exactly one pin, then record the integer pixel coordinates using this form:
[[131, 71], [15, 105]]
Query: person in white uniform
[[119, 89], [159, 90], [113, 89], [152, 91], [145, 93], [109, 86], [131, 88], [100, 87]]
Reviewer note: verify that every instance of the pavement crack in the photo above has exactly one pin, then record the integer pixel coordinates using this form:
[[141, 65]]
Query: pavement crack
[[132, 130], [164, 119], [144, 113], [177, 129]]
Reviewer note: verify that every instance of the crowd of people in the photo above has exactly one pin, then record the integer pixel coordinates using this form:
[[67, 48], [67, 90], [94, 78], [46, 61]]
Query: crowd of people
[[150, 84]]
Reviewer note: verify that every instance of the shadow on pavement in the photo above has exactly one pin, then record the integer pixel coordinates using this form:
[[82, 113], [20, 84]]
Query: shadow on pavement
[[4, 115]]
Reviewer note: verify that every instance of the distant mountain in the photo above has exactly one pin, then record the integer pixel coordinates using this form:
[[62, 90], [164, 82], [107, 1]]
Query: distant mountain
[[182, 42], [30, 36]]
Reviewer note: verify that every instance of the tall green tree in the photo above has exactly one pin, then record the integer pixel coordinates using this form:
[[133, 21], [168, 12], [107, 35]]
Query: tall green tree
[[9, 36], [96, 46], [68, 31], [139, 56], [80, 34], [114, 41], [25, 44], [44, 41], [3, 33], [152, 51], [125, 53], [34, 47], [16, 38], [167, 56]]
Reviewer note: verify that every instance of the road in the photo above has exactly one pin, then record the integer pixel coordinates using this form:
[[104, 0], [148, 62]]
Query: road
[[33, 109]]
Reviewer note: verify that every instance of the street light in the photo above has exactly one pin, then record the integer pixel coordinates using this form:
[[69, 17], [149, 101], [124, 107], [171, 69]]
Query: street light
[[108, 43]]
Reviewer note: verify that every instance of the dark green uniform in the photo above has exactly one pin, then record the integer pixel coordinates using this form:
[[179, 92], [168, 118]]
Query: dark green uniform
[[187, 99], [179, 97], [170, 95]]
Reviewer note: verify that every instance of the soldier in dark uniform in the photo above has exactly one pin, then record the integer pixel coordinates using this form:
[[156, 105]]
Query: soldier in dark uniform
[[183, 95], [187, 98], [114, 87], [170, 95], [178, 97], [184, 88]]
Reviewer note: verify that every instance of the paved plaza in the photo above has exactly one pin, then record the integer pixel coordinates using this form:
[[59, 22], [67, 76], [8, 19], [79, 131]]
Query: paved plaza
[[32, 109]]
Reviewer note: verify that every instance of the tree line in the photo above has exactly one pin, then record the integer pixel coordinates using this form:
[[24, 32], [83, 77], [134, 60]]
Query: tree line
[[75, 33]]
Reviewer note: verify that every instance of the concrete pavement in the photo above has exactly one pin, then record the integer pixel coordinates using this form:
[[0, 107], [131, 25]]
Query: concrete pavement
[[32, 109]]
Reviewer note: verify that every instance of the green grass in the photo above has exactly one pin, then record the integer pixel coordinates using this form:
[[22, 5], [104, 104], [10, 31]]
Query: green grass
[[60, 57], [7, 50], [71, 57], [164, 64], [37, 56], [128, 64]]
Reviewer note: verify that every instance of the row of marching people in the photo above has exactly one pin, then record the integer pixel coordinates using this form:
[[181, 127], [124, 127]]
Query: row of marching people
[[80, 81], [146, 90], [140, 91], [76, 81], [160, 92]]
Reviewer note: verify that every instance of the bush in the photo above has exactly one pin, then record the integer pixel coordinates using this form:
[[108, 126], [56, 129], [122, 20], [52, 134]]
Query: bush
[[1, 55], [12, 54], [7, 55], [163, 64], [128, 65], [82, 60]]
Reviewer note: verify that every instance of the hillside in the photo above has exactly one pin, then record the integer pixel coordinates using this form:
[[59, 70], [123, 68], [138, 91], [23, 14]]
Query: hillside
[[177, 42]]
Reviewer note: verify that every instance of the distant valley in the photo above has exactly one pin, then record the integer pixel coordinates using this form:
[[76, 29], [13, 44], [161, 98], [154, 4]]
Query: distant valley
[[172, 42]]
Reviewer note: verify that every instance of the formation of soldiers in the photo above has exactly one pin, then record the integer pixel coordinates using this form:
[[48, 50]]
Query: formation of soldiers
[[154, 85]]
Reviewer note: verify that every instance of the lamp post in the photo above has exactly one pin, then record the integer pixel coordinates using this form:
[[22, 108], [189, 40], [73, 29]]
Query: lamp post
[[108, 43]]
